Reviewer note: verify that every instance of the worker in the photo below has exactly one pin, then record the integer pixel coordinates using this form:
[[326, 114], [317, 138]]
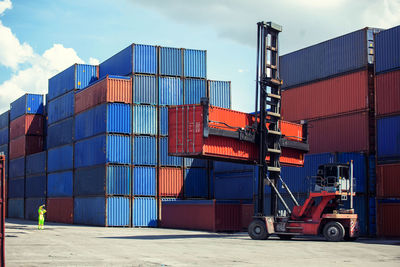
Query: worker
[[41, 212]]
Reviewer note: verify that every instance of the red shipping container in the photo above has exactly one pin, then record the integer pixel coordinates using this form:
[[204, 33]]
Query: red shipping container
[[201, 215], [341, 94], [170, 182], [185, 126], [388, 93], [388, 181], [60, 210], [109, 89], [28, 124], [344, 133], [25, 145], [247, 215], [388, 220]]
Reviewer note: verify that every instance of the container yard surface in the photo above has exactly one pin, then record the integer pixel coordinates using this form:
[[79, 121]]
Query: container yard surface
[[73, 245]]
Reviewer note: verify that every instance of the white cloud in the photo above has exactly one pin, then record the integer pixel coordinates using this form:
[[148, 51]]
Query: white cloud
[[94, 61], [4, 5]]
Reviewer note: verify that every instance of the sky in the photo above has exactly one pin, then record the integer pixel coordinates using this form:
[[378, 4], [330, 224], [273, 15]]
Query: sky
[[40, 38]]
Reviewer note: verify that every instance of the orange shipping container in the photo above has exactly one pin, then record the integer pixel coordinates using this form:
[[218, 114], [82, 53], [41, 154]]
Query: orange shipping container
[[388, 181], [170, 182], [388, 220], [110, 89], [28, 124]]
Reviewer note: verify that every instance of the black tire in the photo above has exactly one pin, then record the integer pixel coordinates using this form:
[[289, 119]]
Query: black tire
[[334, 231], [285, 237], [258, 230]]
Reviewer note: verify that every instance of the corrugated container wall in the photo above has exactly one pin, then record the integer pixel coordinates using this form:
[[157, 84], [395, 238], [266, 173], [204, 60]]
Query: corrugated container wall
[[60, 158], [144, 211], [60, 133], [144, 119], [25, 145], [165, 159], [388, 181], [195, 89], [29, 124], [219, 93], [195, 63], [4, 135], [35, 186], [145, 150], [78, 76], [387, 50], [170, 91], [339, 55], [60, 184], [388, 93], [36, 163], [17, 167], [196, 182], [61, 108], [16, 208], [388, 215], [170, 182], [26, 104], [60, 210], [4, 149], [16, 187], [170, 61], [163, 121], [144, 181], [4, 119], [388, 141], [145, 89], [31, 207]]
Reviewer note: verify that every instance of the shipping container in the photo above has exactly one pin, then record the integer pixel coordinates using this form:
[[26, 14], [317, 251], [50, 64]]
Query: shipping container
[[109, 89], [60, 108], [387, 93], [170, 61], [239, 185], [195, 89], [60, 133], [78, 76], [16, 208], [388, 219], [4, 119], [25, 145], [195, 163], [102, 211], [342, 94], [36, 163], [144, 212], [60, 210], [35, 186], [195, 63], [60, 184], [102, 149], [32, 206], [170, 91], [26, 104], [196, 183], [60, 158], [164, 157], [105, 118], [344, 133], [220, 93], [387, 50], [29, 124], [223, 166], [4, 150], [136, 58], [144, 181], [163, 121], [145, 119], [170, 182], [388, 141], [16, 187], [388, 181], [103, 180], [145, 89], [342, 54], [247, 213], [4, 136], [17, 167], [145, 150]]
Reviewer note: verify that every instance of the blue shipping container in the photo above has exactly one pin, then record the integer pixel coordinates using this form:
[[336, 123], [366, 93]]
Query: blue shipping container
[[170, 91], [387, 50], [222, 166], [26, 104], [61, 108], [336, 56], [144, 211], [35, 186], [196, 182], [102, 211], [144, 181], [170, 61], [60, 158], [105, 118], [78, 76], [388, 138], [195, 89], [17, 167], [102, 149], [60, 184], [144, 150], [163, 120], [165, 159], [195, 63], [135, 58], [36, 163], [144, 119], [5, 119], [16, 208], [145, 89], [31, 207], [16, 188], [235, 185], [103, 180], [189, 162], [4, 137], [60, 133], [219, 93]]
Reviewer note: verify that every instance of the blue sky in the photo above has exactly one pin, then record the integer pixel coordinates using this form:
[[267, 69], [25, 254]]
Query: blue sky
[[47, 36]]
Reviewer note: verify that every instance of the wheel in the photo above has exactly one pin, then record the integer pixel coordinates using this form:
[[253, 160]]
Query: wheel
[[334, 231], [258, 230], [285, 237]]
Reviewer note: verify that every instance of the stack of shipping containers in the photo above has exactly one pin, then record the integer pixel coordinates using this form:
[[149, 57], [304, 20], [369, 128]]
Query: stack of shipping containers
[[4, 141], [388, 132], [26, 138], [60, 138], [331, 86]]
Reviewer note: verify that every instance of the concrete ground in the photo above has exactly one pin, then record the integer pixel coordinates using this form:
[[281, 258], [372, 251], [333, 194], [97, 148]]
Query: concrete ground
[[73, 245]]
